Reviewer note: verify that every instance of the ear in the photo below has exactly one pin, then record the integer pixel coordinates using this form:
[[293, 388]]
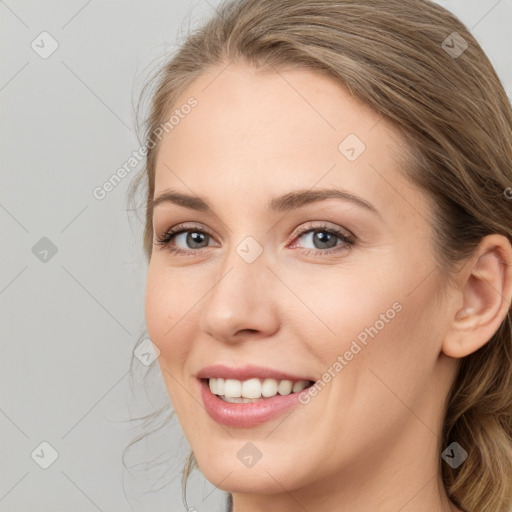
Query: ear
[[485, 296]]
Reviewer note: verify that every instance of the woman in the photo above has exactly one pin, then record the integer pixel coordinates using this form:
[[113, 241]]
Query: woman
[[330, 269]]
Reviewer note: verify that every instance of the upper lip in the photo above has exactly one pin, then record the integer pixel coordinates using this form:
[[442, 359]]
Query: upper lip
[[246, 372]]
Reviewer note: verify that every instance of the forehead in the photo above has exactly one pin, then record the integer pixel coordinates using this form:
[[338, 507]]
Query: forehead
[[262, 133], [243, 109]]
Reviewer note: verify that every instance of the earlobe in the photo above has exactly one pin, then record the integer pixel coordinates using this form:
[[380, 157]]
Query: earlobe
[[486, 294]]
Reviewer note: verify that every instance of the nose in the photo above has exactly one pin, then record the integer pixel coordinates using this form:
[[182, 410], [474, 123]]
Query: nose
[[243, 301]]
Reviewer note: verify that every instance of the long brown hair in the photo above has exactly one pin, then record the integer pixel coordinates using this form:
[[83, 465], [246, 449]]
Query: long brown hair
[[417, 65]]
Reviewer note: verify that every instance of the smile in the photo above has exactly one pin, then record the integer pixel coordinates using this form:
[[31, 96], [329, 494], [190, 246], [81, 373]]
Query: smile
[[243, 411], [237, 391]]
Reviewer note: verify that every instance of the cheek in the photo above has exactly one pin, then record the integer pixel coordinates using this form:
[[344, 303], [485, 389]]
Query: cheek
[[400, 356], [344, 307], [169, 313], [369, 320]]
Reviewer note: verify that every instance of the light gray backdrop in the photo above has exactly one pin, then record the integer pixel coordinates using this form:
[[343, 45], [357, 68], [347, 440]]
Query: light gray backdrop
[[72, 270]]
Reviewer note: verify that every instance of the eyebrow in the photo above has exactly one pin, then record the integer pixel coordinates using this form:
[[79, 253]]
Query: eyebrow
[[284, 203]]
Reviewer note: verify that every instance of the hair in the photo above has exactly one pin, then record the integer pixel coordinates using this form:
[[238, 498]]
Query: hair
[[456, 122]]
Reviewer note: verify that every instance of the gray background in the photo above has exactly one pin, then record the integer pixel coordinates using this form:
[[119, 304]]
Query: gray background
[[69, 323]]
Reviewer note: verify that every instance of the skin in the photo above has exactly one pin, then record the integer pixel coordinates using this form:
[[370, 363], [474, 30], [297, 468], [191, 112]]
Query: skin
[[369, 440]]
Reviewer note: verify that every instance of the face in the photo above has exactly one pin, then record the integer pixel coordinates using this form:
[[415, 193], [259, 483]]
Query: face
[[340, 289]]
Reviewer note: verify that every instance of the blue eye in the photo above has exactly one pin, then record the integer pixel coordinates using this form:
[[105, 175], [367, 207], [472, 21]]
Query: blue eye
[[324, 238], [193, 237]]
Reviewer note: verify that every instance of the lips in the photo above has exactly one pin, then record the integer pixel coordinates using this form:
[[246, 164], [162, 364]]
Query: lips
[[257, 411], [248, 372]]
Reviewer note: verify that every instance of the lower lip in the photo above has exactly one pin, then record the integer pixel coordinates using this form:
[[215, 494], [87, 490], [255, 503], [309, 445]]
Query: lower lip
[[246, 414]]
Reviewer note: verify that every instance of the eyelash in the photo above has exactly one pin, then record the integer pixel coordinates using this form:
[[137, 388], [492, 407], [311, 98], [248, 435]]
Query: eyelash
[[169, 235]]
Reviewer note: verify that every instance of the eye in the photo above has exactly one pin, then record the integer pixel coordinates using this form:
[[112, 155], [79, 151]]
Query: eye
[[325, 239], [193, 238]]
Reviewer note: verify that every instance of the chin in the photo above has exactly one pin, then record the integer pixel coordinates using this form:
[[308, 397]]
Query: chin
[[232, 476], [248, 482]]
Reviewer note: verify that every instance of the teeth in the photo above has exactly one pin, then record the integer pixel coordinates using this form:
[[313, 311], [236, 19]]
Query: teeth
[[269, 387], [300, 385], [285, 387], [250, 388], [233, 390]]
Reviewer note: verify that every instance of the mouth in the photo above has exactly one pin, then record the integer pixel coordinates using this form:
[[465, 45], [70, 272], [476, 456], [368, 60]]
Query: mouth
[[254, 389], [248, 411]]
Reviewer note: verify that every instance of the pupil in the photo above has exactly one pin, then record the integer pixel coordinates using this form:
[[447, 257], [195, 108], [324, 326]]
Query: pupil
[[194, 237], [324, 238]]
